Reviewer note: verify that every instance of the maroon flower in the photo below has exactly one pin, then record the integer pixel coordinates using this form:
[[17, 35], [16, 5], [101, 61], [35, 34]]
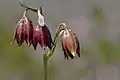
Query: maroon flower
[[24, 31], [42, 36], [70, 43]]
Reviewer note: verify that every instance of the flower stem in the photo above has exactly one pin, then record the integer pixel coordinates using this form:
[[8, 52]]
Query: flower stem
[[55, 42], [47, 57], [45, 61], [28, 7]]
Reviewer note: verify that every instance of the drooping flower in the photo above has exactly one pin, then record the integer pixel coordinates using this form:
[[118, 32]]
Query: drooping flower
[[42, 34], [70, 42], [24, 30]]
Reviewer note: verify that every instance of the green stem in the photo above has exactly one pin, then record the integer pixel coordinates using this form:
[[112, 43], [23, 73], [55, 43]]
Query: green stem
[[46, 57], [45, 61], [28, 7], [52, 50], [55, 42]]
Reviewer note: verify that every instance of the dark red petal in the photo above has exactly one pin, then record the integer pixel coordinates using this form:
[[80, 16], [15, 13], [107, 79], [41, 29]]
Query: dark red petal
[[42, 38], [48, 38], [19, 35], [34, 43], [65, 54], [30, 35], [26, 29], [36, 37], [65, 47]]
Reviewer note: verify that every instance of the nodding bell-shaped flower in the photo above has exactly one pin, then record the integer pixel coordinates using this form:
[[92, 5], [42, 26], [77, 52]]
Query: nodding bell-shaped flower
[[69, 41], [24, 31], [42, 34]]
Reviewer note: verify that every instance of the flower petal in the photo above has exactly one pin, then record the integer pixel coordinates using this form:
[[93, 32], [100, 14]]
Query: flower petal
[[47, 37]]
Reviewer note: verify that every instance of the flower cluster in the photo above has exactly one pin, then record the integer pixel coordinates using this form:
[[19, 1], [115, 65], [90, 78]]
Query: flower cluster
[[25, 32], [38, 35]]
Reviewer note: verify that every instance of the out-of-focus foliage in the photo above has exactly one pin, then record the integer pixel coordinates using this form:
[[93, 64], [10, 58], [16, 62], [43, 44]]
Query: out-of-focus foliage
[[110, 51], [79, 74], [98, 15]]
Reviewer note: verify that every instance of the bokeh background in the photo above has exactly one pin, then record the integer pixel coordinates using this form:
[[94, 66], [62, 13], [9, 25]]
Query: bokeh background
[[95, 22]]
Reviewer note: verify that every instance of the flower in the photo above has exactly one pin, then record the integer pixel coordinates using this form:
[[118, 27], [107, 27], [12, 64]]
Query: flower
[[24, 31], [70, 42], [42, 34]]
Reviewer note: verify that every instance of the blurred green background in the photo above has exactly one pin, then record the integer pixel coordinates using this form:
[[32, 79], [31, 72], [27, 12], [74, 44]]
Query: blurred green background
[[95, 22]]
